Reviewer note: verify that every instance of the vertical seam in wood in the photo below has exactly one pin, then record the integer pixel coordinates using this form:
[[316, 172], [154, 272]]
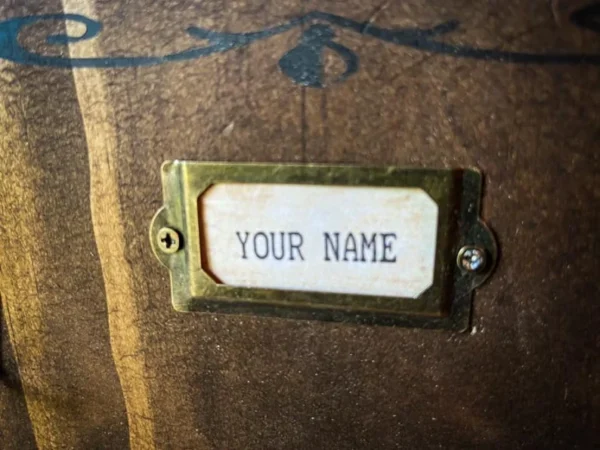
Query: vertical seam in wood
[[123, 314]]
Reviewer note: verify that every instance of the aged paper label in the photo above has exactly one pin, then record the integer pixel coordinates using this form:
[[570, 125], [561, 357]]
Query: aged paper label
[[378, 241]]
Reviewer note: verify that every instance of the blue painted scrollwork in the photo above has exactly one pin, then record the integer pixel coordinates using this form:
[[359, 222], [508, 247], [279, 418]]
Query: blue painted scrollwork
[[303, 64]]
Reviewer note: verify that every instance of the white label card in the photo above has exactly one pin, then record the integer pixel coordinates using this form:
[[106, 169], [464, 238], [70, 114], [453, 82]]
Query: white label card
[[378, 241]]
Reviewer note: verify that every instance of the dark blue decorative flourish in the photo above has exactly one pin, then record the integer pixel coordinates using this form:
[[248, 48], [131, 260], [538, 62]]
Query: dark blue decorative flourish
[[304, 63]]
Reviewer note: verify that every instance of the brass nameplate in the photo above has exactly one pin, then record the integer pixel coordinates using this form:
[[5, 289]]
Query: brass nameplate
[[390, 246]]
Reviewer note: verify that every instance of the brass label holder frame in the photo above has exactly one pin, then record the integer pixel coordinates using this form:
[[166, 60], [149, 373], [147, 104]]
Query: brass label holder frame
[[466, 251]]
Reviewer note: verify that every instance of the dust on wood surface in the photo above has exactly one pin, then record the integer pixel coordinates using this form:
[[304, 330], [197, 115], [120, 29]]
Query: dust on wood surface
[[104, 361]]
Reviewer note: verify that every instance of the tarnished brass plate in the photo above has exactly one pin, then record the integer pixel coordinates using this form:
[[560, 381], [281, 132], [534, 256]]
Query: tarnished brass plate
[[374, 245]]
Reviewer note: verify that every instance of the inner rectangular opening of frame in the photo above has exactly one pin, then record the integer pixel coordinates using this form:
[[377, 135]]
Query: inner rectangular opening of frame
[[363, 240]]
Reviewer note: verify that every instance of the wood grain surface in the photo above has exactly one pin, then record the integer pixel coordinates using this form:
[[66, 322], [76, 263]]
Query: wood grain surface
[[93, 355]]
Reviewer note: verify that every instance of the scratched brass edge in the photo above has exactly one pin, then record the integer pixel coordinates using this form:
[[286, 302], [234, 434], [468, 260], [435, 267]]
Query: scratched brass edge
[[446, 304]]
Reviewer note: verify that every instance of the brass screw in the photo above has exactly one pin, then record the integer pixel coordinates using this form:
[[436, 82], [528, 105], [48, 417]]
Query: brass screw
[[471, 259], [168, 240]]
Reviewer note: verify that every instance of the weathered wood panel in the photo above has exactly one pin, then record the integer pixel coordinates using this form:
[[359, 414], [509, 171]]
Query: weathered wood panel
[[81, 152], [52, 291], [15, 426]]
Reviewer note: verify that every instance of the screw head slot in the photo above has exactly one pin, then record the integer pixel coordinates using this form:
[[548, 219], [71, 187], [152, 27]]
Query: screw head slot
[[472, 259], [168, 240]]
